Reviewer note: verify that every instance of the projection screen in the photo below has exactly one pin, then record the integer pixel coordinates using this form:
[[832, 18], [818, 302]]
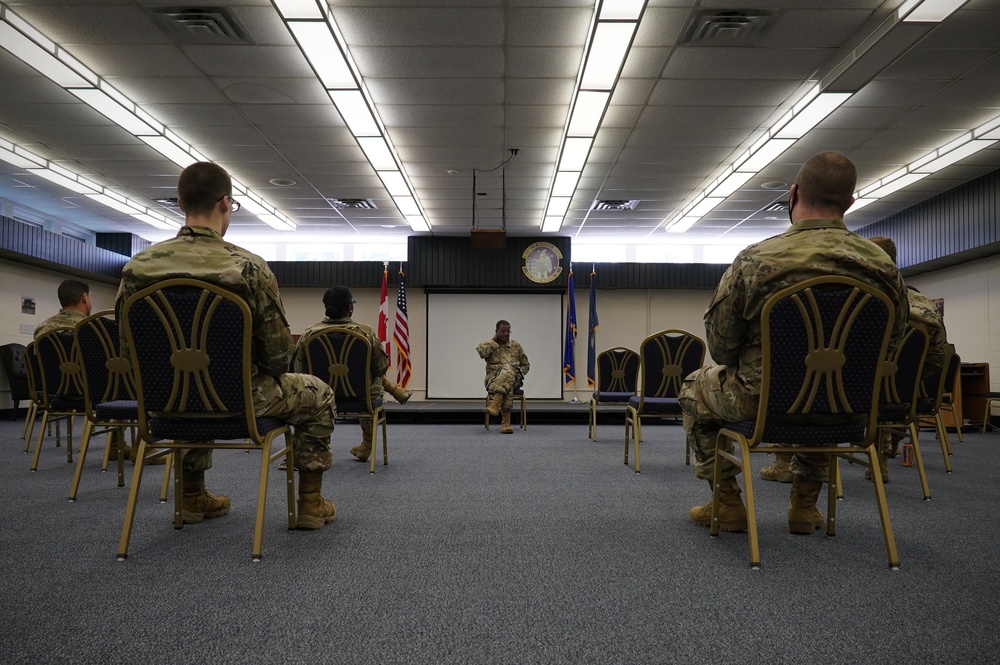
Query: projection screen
[[458, 322]]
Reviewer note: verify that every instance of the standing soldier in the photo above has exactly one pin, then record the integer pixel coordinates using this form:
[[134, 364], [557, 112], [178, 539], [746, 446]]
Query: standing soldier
[[205, 193], [506, 365]]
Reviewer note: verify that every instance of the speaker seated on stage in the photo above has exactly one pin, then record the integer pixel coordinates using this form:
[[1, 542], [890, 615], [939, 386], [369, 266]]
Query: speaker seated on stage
[[506, 365]]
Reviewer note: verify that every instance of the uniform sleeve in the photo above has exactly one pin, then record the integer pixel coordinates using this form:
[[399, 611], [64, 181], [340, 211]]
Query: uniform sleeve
[[725, 325], [486, 349], [380, 361], [271, 337], [525, 366]]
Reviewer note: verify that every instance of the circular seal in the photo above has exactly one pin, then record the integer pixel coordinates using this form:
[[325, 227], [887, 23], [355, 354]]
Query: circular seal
[[541, 262]]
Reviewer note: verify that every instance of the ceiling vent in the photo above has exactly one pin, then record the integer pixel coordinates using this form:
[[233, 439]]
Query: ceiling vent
[[727, 28], [777, 206], [201, 25], [615, 204], [363, 204]]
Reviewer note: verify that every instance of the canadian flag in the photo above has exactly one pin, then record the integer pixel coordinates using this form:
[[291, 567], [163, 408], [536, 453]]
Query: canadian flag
[[383, 315]]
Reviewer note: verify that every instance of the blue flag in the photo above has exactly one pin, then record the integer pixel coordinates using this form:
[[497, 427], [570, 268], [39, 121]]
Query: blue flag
[[569, 356], [592, 334]]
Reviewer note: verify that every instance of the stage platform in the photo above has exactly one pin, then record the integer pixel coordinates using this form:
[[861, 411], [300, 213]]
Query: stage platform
[[541, 412]]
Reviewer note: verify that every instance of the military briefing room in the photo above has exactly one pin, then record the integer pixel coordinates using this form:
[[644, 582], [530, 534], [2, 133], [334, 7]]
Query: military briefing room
[[586, 171]]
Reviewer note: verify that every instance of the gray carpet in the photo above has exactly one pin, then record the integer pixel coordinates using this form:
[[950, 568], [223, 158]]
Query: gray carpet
[[475, 547]]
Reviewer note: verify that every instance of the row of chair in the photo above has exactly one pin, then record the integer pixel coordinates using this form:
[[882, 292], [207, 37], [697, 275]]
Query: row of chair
[[828, 386], [185, 384]]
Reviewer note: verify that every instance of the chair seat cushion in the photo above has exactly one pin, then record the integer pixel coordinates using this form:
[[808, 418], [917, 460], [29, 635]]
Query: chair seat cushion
[[209, 429], [783, 432], [358, 406], [925, 405], [893, 413], [123, 409], [601, 398], [656, 404]]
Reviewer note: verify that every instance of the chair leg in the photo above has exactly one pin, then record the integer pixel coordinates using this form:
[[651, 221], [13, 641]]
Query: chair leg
[[524, 414], [920, 462], [592, 429], [258, 528], [942, 433], [38, 444], [133, 495], [751, 507], [635, 439], [168, 464], [835, 462], [289, 455], [628, 427], [883, 508], [29, 420], [385, 441], [88, 428], [833, 488]]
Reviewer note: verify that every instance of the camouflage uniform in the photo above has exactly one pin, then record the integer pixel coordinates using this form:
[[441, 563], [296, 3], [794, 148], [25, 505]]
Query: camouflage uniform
[[730, 391], [925, 312], [506, 365], [302, 400], [379, 363], [66, 318]]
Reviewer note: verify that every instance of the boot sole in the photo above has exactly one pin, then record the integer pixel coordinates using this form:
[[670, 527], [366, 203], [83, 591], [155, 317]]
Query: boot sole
[[732, 526], [803, 528], [189, 517], [313, 523], [779, 479]]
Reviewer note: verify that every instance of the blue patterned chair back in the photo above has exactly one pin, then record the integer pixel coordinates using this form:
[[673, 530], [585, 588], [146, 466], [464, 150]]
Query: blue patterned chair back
[[617, 372], [667, 357], [900, 386], [57, 367], [31, 369], [824, 341], [341, 357], [934, 387], [189, 346], [107, 376]]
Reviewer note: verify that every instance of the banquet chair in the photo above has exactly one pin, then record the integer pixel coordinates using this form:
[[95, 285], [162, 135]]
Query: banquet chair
[[932, 395], [823, 344], [617, 381], [189, 344], [60, 393], [341, 357], [523, 412], [665, 359]]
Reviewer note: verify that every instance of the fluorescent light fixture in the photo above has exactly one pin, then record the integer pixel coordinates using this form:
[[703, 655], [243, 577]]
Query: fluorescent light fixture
[[115, 112], [355, 112], [551, 224], [767, 154], [394, 183], [323, 53], [732, 183], [929, 11], [824, 104], [156, 220], [896, 185], [417, 223], [68, 182], [574, 154], [859, 204], [168, 149], [705, 206], [291, 9], [683, 224], [37, 57], [950, 158], [17, 160], [558, 205], [606, 55], [377, 152], [565, 183], [587, 112], [108, 201], [622, 10], [276, 222], [407, 205]]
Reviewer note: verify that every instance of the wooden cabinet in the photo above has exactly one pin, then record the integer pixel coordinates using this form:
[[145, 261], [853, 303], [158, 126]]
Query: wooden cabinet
[[975, 383]]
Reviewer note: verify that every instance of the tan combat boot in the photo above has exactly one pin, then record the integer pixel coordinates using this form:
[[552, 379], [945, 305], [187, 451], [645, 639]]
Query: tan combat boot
[[314, 512], [363, 451], [493, 408], [398, 392], [505, 427], [803, 516], [732, 512], [779, 470], [199, 504]]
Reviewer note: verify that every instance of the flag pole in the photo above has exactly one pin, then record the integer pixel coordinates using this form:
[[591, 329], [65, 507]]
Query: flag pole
[[576, 399]]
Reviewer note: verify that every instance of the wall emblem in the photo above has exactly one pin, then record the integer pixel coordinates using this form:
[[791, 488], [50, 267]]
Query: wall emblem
[[542, 262]]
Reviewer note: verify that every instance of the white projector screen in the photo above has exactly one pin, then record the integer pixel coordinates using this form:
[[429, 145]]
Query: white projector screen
[[458, 322]]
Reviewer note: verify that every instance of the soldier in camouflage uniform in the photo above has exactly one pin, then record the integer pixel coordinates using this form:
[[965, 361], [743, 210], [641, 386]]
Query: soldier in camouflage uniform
[[506, 365], [74, 299], [817, 244], [339, 304], [925, 312], [199, 251]]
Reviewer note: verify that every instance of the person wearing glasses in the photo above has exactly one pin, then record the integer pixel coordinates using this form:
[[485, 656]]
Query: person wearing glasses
[[199, 251], [339, 304]]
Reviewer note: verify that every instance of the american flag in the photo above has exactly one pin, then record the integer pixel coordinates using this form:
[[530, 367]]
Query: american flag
[[402, 336]]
